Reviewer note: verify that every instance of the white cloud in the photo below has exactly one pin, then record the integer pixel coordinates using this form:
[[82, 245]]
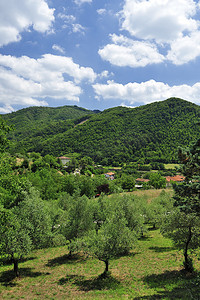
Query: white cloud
[[18, 16], [28, 81], [78, 28], [155, 25], [6, 109], [67, 18], [104, 74], [127, 52], [70, 21], [185, 49], [146, 92], [162, 21], [79, 2], [58, 48], [101, 11]]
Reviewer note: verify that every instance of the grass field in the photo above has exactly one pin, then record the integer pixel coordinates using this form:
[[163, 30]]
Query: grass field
[[153, 270], [149, 194], [171, 166]]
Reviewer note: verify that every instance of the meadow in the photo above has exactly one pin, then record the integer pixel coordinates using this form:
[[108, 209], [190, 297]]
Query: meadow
[[153, 270]]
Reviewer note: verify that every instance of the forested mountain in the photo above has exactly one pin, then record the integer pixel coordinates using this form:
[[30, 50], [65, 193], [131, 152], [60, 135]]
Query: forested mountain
[[37, 123], [151, 132]]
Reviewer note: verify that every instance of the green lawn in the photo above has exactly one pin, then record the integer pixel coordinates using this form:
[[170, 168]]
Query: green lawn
[[152, 271], [171, 166]]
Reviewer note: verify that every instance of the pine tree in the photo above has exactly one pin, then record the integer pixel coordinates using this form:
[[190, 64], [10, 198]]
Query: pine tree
[[187, 194]]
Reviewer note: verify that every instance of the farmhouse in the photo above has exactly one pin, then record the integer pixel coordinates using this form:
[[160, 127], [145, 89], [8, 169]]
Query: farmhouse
[[171, 179], [140, 182], [64, 160], [110, 175]]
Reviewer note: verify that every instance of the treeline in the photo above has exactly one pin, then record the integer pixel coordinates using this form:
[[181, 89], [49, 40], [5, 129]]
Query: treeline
[[43, 207], [118, 135]]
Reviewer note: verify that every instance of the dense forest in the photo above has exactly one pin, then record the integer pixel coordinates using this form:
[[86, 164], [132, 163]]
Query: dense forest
[[151, 132]]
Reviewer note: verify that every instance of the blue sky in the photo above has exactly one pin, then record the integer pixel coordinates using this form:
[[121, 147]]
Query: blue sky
[[98, 54]]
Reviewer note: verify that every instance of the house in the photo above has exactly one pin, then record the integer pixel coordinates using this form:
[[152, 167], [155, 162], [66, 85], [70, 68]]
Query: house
[[176, 178], [110, 175], [64, 160], [140, 182]]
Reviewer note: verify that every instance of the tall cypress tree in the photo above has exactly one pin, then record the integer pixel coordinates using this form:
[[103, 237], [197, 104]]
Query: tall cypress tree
[[187, 194]]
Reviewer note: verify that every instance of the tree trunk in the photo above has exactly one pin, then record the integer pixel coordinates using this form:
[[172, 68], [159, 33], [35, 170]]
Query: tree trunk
[[107, 264], [16, 268], [70, 248], [187, 263]]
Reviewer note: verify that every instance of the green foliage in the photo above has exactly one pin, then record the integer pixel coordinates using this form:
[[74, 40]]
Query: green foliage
[[12, 185], [157, 181], [77, 218], [184, 223], [187, 196], [184, 230], [34, 214], [34, 124], [24, 227], [158, 209], [4, 130], [115, 136], [127, 182], [113, 239]]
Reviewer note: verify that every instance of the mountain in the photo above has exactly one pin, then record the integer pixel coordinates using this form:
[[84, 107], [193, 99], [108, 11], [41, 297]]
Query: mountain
[[37, 123], [150, 132]]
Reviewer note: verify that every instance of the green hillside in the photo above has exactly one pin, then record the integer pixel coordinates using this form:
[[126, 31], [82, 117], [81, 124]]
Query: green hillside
[[32, 125], [151, 132]]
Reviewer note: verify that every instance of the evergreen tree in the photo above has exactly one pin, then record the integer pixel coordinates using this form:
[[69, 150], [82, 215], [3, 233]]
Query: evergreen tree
[[182, 225], [187, 194]]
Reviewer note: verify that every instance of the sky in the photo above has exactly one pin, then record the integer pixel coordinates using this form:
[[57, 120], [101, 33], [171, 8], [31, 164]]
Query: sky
[[98, 54]]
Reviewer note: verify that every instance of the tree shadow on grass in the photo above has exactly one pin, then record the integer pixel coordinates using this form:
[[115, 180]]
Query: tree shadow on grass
[[173, 285], [145, 238], [66, 259], [8, 261], [7, 277], [101, 282], [162, 249]]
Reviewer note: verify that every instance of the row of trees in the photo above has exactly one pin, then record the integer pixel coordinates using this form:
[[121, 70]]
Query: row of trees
[[45, 208]]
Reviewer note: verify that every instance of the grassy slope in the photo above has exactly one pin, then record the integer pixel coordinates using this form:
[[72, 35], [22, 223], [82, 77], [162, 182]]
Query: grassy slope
[[152, 271]]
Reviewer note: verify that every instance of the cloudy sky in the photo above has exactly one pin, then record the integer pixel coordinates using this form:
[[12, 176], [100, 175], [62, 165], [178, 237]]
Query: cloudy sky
[[98, 54]]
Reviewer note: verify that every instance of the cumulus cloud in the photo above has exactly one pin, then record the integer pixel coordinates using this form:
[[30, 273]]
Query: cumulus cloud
[[28, 81], [127, 52], [162, 21], [18, 16], [146, 92], [168, 25], [185, 49]]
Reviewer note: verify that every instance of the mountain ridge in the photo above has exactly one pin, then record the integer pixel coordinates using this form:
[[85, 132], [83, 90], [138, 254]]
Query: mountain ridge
[[116, 135]]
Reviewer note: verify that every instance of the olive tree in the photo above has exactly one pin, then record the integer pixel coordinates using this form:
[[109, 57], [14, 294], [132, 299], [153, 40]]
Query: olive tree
[[113, 239], [24, 227], [184, 230]]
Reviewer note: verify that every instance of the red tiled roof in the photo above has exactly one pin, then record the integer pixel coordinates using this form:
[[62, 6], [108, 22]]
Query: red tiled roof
[[142, 180], [177, 178]]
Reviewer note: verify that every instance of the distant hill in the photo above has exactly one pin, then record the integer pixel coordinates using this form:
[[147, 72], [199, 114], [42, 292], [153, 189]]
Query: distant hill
[[34, 124], [151, 132]]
